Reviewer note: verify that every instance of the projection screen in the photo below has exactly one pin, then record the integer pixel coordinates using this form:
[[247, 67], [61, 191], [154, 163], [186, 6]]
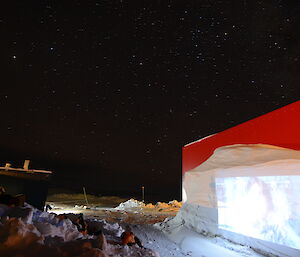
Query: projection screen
[[263, 207]]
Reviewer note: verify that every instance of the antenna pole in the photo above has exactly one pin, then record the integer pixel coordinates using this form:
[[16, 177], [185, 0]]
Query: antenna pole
[[143, 193], [86, 200]]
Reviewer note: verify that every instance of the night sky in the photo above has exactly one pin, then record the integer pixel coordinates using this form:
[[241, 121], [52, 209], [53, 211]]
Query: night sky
[[106, 93]]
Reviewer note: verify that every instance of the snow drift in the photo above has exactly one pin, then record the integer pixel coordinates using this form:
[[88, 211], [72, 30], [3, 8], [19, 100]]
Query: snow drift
[[159, 206], [28, 232]]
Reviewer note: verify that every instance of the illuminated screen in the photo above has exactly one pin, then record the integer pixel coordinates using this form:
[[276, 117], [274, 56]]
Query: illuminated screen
[[263, 207]]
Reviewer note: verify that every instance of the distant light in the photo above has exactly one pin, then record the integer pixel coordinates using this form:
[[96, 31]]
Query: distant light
[[14, 57]]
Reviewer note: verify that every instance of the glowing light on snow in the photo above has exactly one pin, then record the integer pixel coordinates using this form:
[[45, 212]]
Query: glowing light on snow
[[263, 207], [184, 196], [66, 210]]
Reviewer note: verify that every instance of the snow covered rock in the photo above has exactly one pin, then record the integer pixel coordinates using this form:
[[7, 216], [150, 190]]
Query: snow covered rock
[[28, 232]]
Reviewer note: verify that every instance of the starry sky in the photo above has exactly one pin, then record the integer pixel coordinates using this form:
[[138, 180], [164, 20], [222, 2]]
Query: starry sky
[[106, 93]]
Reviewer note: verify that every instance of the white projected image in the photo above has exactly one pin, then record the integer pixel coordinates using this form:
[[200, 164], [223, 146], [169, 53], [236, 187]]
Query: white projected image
[[263, 207]]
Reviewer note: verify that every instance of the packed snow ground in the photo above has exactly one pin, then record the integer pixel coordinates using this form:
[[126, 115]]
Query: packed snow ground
[[25, 231], [140, 217]]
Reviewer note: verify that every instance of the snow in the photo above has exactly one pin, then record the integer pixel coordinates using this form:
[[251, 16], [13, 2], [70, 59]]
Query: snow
[[33, 233], [130, 204], [202, 243], [247, 194], [245, 155]]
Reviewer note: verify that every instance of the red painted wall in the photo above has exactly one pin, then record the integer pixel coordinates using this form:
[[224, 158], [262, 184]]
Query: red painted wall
[[280, 127]]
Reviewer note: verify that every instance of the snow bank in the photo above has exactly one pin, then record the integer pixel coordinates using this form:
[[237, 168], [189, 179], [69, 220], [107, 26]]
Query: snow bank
[[159, 206], [132, 203], [245, 155], [248, 194], [32, 233], [203, 220], [203, 244]]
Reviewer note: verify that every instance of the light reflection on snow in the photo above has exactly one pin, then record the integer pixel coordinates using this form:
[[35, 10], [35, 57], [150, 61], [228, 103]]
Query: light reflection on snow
[[263, 207], [66, 210], [184, 196]]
